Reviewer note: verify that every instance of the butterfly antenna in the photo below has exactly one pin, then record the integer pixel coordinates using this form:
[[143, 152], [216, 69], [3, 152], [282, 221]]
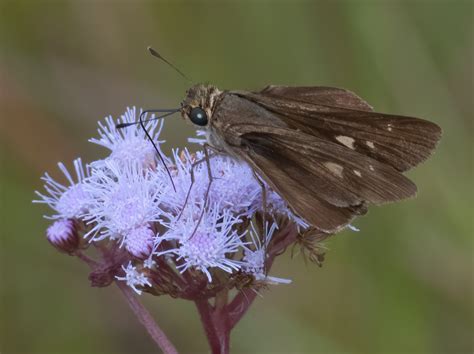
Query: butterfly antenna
[[158, 55]]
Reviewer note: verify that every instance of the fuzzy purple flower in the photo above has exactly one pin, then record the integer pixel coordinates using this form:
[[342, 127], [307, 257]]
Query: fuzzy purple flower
[[195, 239], [134, 279], [130, 144], [125, 198], [198, 230], [68, 202], [205, 243]]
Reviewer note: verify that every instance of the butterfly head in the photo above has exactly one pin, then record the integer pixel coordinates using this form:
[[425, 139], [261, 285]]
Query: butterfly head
[[199, 104]]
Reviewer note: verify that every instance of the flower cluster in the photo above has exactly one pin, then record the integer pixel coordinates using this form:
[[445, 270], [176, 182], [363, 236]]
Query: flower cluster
[[189, 238]]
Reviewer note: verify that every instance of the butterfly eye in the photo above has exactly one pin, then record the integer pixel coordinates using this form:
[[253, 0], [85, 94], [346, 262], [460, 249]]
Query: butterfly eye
[[198, 116]]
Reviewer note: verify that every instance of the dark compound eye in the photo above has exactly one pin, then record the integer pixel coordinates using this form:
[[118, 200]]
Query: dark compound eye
[[198, 116]]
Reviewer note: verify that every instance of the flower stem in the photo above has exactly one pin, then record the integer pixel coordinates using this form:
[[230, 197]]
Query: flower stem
[[216, 325], [147, 320], [219, 320], [239, 306], [205, 309], [220, 316], [86, 259]]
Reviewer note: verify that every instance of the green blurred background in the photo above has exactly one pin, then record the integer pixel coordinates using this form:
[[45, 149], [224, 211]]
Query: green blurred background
[[404, 284]]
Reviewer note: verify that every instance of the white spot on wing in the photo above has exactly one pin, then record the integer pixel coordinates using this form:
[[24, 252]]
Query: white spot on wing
[[334, 168], [371, 168], [357, 173], [389, 127], [370, 144], [346, 140]]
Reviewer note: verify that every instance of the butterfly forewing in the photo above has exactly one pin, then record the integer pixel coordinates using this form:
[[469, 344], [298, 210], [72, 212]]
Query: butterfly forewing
[[322, 149], [402, 142]]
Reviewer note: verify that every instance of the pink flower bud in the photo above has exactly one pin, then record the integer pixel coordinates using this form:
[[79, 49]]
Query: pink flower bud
[[62, 234]]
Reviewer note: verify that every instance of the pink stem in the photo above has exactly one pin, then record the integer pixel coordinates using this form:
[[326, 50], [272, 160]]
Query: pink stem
[[138, 309], [240, 305], [147, 320], [242, 301], [216, 325], [223, 328], [205, 311], [86, 259]]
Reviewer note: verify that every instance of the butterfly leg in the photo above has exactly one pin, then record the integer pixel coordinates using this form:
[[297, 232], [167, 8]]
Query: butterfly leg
[[264, 218], [193, 166], [206, 148]]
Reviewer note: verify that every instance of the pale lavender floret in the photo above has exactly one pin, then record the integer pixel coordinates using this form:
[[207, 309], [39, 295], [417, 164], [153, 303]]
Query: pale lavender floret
[[131, 143], [234, 186], [253, 261], [134, 278], [149, 262], [182, 163], [270, 280], [181, 173], [254, 254], [212, 244], [125, 197], [139, 241], [68, 202]]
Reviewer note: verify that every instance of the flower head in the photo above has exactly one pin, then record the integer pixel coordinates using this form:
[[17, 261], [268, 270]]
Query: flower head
[[174, 237], [68, 202], [139, 241], [134, 278], [234, 186], [255, 253], [205, 243], [244, 190], [125, 198], [130, 144]]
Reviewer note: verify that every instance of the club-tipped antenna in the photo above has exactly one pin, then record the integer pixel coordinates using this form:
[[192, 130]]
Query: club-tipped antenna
[[158, 55]]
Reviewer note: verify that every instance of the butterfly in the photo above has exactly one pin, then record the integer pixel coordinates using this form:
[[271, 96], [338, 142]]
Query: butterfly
[[323, 149]]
